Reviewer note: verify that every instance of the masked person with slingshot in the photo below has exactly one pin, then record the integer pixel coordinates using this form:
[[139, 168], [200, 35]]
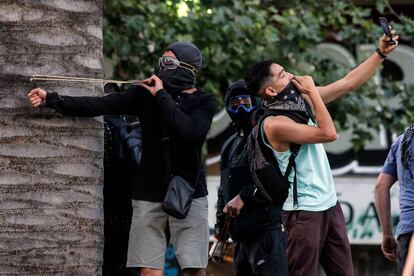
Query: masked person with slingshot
[[169, 99]]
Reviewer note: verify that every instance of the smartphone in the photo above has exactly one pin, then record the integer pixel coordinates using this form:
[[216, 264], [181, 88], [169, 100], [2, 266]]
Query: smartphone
[[387, 29]]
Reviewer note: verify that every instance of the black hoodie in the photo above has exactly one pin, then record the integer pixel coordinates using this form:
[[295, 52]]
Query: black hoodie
[[188, 117]]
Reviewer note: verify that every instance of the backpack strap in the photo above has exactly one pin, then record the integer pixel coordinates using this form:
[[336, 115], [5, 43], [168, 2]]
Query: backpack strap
[[292, 164]]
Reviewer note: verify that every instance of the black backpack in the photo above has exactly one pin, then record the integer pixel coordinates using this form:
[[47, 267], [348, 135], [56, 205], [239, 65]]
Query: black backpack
[[256, 216], [130, 134], [270, 183]]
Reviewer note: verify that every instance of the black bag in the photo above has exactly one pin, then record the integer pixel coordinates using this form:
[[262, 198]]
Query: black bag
[[270, 182], [177, 200], [179, 195], [130, 133]]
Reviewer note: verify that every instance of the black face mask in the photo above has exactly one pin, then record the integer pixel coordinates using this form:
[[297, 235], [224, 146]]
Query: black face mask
[[290, 100], [289, 93], [176, 80], [242, 120]]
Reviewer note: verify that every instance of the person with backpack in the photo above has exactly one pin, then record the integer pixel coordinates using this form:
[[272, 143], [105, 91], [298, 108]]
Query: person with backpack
[[398, 166], [119, 168], [313, 217], [167, 102], [257, 231]]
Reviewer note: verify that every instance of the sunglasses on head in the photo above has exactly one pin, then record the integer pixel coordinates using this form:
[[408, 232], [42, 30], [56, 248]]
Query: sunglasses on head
[[170, 63], [240, 101]]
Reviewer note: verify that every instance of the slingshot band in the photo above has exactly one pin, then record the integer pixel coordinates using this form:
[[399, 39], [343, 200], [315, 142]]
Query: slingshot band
[[77, 79]]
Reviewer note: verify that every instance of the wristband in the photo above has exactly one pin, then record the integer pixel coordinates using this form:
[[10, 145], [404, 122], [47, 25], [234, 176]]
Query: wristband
[[380, 53]]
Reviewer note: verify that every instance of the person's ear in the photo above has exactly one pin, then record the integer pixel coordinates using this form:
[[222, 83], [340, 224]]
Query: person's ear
[[270, 91]]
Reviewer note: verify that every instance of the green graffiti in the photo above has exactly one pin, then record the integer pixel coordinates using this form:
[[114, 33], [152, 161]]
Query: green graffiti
[[367, 224]]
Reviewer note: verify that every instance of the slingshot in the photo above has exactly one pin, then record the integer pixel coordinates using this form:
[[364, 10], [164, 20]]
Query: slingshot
[[77, 79]]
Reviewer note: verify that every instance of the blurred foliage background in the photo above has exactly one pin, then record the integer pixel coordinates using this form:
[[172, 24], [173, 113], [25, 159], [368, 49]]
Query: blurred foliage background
[[233, 35]]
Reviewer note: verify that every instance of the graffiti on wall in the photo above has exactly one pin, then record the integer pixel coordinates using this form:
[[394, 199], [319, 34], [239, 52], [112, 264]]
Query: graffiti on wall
[[356, 196]]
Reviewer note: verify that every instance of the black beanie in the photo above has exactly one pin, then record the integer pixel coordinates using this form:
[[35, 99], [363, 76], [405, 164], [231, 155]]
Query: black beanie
[[187, 52]]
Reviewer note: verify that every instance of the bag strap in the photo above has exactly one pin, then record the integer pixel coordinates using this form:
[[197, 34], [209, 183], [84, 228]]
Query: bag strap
[[292, 164]]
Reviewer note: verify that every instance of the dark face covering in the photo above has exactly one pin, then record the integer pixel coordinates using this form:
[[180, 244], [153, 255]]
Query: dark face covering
[[290, 100], [241, 117], [176, 80], [289, 93], [287, 99], [242, 120]]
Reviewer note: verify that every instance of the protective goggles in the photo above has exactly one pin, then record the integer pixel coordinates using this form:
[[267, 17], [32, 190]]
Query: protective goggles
[[170, 63], [240, 101]]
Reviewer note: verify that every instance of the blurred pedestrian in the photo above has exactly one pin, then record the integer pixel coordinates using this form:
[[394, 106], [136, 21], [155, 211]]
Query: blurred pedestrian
[[399, 165]]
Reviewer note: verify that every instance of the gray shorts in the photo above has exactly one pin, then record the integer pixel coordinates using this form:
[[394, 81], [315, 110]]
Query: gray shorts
[[148, 235]]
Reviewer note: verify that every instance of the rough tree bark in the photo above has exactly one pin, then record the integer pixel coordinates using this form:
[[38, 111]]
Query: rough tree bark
[[51, 169]]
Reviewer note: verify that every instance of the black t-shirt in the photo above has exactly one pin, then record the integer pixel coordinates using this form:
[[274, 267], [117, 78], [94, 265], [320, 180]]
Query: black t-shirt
[[188, 117]]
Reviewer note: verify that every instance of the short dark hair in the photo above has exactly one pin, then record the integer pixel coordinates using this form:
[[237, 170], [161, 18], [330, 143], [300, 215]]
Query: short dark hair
[[258, 74]]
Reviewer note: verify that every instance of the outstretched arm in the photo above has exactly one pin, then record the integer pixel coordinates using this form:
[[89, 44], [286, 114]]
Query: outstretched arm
[[119, 103], [358, 76]]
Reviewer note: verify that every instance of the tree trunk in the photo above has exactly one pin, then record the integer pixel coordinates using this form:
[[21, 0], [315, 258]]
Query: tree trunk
[[51, 206]]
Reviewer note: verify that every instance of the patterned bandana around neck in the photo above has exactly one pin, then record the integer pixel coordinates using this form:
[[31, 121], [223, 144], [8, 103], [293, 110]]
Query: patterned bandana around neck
[[289, 99]]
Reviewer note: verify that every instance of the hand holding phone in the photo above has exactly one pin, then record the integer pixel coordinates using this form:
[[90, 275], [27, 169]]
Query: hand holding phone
[[387, 29]]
